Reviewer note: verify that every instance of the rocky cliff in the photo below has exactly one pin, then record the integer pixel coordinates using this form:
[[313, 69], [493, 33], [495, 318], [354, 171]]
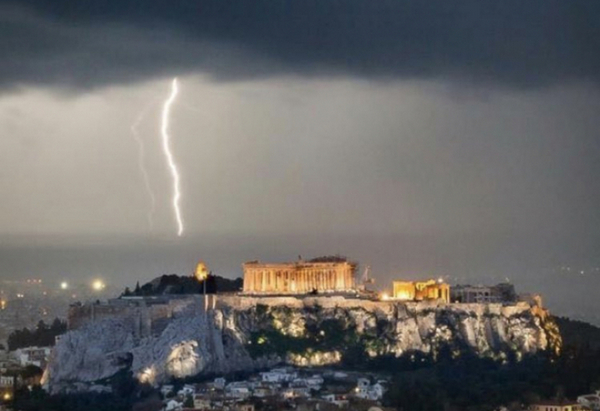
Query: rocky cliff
[[245, 333]]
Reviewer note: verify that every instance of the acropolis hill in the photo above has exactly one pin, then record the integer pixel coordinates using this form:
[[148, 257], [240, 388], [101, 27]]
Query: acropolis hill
[[160, 338]]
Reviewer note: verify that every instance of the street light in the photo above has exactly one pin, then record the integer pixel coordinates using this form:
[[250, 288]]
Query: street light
[[98, 285]]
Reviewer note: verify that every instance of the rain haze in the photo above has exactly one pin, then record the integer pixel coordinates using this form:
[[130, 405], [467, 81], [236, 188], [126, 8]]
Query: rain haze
[[425, 139]]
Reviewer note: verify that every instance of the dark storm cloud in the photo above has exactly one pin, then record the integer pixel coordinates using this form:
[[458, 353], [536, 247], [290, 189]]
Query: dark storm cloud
[[88, 43]]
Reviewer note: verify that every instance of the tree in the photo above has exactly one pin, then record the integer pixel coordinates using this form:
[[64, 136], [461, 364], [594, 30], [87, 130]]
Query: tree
[[42, 336], [31, 371], [189, 402]]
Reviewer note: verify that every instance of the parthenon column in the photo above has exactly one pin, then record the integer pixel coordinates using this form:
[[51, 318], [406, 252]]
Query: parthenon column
[[304, 281], [272, 280], [247, 282]]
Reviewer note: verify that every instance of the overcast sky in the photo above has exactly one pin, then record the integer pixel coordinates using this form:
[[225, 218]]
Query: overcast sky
[[422, 138]]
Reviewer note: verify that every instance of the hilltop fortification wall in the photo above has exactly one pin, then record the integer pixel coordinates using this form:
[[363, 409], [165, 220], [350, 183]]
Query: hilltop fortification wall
[[144, 316]]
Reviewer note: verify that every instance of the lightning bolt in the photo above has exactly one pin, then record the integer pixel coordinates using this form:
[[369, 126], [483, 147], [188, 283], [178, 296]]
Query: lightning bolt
[[167, 149], [141, 163]]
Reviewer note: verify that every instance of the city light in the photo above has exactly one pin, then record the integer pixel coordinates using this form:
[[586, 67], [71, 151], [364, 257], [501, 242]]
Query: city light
[[385, 296], [98, 285], [64, 285], [2, 304], [6, 396]]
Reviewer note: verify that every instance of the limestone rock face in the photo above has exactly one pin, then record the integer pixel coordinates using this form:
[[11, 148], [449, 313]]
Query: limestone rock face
[[236, 333]]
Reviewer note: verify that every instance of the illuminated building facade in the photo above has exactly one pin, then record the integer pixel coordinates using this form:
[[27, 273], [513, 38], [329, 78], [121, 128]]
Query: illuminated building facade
[[319, 275], [421, 290]]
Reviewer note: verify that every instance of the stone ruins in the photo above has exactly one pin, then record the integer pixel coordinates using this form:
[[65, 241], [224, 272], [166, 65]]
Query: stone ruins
[[319, 276]]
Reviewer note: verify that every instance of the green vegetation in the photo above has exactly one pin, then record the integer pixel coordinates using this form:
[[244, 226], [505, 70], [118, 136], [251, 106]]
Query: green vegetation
[[125, 393], [337, 334], [31, 372], [577, 333], [175, 284], [42, 336], [326, 336], [468, 382]]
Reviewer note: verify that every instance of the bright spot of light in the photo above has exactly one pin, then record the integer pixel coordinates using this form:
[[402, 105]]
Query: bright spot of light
[[385, 297], [64, 285], [98, 285], [201, 272], [148, 376]]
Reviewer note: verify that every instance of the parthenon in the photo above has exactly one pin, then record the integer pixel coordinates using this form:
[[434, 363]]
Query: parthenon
[[319, 275]]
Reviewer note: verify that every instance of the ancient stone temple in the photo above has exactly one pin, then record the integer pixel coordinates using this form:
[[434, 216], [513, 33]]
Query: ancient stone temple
[[421, 290], [320, 275]]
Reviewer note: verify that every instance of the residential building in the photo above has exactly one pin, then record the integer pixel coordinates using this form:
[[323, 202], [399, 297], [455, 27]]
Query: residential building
[[592, 401], [201, 402], [556, 405], [37, 356]]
